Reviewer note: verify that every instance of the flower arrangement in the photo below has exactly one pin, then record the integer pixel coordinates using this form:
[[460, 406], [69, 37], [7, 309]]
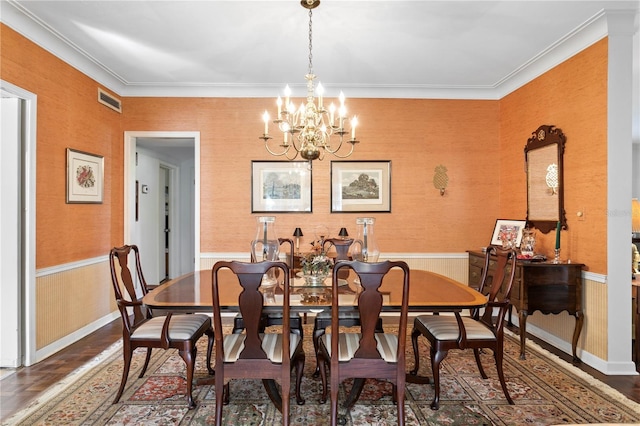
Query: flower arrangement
[[316, 262]]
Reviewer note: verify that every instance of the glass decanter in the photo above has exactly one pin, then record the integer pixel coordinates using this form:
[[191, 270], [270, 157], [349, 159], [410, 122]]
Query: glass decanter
[[265, 246], [365, 246]]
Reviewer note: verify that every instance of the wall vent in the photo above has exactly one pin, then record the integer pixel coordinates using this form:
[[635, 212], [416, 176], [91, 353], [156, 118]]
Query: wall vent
[[109, 100]]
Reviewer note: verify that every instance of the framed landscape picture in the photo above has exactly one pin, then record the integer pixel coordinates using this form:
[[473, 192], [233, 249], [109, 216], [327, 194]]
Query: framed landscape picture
[[280, 187], [85, 177], [361, 186]]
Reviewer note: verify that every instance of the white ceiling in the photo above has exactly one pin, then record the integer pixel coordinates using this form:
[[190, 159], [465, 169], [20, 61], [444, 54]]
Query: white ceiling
[[411, 49]]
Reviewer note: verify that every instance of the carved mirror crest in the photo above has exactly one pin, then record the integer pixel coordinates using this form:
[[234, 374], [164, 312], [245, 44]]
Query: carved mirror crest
[[545, 188]]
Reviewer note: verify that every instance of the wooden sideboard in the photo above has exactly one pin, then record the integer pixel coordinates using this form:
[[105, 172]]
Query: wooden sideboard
[[539, 286]]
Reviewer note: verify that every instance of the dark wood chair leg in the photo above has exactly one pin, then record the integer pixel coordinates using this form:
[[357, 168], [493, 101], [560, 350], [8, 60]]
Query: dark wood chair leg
[[498, 357], [399, 393], [322, 365], [226, 392], [128, 353], [220, 398], [436, 358], [189, 357], [146, 363], [416, 355], [271, 387], [354, 394], [210, 342], [299, 365], [317, 334], [476, 354]]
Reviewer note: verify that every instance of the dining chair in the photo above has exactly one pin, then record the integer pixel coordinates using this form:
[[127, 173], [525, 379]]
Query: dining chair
[[366, 353], [484, 328], [253, 353], [146, 330], [347, 319], [274, 318]]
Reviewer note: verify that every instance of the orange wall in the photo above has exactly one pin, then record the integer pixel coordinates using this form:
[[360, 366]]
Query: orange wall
[[416, 135], [573, 97], [69, 116]]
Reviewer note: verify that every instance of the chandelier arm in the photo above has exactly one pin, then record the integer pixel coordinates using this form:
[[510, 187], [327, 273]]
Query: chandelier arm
[[276, 154], [353, 144], [330, 150], [292, 158]]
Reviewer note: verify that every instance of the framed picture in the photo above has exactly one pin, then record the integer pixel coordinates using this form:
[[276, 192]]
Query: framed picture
[[85, 177], [512, 227], [280, 187], [361, 186]]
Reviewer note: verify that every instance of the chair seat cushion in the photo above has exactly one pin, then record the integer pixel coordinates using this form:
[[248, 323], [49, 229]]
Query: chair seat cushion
[[181, 327], [348, 344], [271, 344], [445, 327], [342, 315]]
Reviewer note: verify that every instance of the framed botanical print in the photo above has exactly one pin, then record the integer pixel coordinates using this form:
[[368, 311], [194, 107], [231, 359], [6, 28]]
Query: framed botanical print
[[85, 177]]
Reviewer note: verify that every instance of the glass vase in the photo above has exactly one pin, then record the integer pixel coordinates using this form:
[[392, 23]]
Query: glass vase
[[265, 246], [365, 246]]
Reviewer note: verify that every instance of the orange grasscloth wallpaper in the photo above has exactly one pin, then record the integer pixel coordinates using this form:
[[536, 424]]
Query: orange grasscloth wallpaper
[[479, 142]]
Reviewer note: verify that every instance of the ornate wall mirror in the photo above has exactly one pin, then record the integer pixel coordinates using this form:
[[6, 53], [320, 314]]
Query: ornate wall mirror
[[545, 189]]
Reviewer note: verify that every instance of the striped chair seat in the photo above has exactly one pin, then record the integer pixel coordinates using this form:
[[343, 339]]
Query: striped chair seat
[[387, 345], [271, 344], [181, 327], [354, 315], [445, 327]]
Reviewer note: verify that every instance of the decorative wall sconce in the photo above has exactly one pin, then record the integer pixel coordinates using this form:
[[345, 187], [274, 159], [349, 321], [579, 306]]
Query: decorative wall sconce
[[552, 178], [440, 179], [297, 234]]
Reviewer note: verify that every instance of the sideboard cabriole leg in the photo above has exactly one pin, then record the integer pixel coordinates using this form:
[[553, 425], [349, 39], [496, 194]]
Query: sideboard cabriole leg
[[522, 318], [576, 334]]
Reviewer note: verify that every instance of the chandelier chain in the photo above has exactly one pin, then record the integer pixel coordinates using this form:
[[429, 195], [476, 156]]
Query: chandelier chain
[[310, 42]]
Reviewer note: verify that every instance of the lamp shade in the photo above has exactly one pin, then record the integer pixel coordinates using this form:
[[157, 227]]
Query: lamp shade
[[298, 233], [343, 232], [635, 216]]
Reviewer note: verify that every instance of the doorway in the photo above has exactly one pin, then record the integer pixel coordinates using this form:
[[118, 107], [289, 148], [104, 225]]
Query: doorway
[[17, 226], [162, 201]]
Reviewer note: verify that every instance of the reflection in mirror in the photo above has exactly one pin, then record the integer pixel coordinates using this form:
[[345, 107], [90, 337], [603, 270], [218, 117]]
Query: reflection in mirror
[[543, 156]]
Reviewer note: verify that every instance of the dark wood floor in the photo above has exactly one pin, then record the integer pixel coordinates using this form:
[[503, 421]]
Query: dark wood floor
[[27, 383]]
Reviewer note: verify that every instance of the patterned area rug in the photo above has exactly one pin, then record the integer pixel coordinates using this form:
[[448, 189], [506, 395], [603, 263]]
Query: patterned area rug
[[546, 390]]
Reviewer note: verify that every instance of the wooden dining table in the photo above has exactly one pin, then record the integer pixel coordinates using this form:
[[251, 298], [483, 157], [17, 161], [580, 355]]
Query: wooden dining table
[[428, 292]]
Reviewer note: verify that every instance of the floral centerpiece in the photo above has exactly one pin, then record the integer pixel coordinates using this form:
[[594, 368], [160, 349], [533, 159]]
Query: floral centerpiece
[[316, 265]]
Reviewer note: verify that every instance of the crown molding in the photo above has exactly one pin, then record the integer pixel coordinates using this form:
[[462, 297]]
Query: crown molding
[[30, 27]]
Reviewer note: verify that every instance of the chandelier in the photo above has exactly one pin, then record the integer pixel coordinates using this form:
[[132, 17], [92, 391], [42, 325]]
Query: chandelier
[[311, 129]]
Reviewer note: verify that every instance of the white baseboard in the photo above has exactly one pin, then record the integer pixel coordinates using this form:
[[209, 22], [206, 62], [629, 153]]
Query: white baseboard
[[603, 366], [67, 340]]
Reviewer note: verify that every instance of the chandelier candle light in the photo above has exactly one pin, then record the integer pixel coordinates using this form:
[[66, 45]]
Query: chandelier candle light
[[309, 129]]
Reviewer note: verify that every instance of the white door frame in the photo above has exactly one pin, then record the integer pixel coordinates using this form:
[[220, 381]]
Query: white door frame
[[28, 325], [130, 182]]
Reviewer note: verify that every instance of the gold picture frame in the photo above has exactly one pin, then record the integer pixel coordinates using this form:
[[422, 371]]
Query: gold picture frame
[[85, 177]]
